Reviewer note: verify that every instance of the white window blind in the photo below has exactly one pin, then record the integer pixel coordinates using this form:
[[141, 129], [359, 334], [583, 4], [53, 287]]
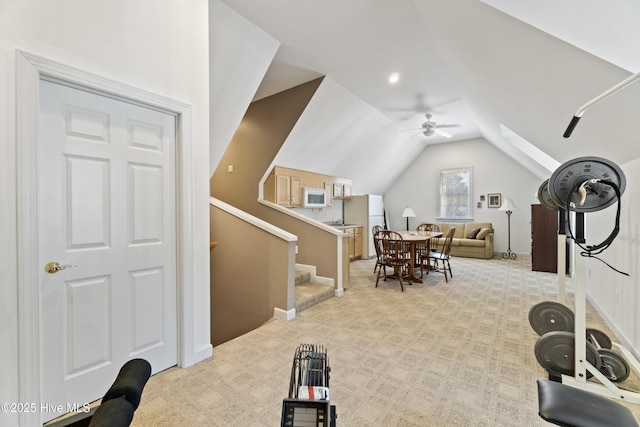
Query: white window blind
[[455, 193]]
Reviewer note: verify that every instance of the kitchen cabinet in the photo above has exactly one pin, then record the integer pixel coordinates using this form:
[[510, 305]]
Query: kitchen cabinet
[[341, 191], [288, 190], [352, 240], [284, 186], [355, 242], [337, 190], [328, 188]]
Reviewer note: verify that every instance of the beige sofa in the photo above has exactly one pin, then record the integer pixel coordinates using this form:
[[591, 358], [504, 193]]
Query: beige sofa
[[479, 247]]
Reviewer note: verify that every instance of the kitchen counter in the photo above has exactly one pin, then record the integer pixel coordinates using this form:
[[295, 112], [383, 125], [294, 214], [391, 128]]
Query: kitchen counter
[[345, 226], [355, 239]]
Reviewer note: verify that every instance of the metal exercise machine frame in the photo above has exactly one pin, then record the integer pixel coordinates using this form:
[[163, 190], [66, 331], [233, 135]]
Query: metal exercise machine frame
[[579, 379], [605, 387]]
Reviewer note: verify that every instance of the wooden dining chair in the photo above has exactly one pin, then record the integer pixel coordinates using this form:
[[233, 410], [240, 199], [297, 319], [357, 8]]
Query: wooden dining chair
[[374, 230], [439, 261], [428, 227], [423, 248], [394, 254], [433, 243]]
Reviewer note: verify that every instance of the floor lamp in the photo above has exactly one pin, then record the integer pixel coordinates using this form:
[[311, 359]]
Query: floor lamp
[[408, 213], [509, 206]]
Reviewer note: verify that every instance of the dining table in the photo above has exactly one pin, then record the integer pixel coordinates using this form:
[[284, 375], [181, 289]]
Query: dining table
[[414, 238]]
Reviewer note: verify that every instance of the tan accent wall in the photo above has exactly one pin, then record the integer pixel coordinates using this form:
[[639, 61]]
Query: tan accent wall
[[239, 302], [264, 128], [315, 246], [249, 275]]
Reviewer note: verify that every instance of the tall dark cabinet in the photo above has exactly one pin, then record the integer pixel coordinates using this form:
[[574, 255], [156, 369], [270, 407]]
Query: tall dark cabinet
[[544, 240]]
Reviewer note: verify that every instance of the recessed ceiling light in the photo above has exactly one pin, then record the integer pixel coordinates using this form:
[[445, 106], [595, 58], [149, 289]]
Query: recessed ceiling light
[[394, 77]]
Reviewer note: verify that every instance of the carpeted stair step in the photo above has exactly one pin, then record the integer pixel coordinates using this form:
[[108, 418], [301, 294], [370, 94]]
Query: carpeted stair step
[[302, 277], [308, 293]]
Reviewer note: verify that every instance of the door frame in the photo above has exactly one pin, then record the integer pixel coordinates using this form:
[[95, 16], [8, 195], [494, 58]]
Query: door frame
[[30, 70]]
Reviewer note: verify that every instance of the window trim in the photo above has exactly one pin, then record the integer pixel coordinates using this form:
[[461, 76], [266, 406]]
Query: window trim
[[467, 169]]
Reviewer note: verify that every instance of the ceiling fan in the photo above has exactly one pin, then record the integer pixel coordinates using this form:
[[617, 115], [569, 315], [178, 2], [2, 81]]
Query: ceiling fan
[[430, 127]]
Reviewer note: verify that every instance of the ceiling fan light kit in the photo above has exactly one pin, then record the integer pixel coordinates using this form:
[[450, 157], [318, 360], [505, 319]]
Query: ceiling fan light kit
[[430, 127]]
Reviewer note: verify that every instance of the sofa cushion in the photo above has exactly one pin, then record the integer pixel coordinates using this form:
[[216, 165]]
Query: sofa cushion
[[472, 243], [472, 234], [483, 233], [446, 226], [454, 242], [468, 226]]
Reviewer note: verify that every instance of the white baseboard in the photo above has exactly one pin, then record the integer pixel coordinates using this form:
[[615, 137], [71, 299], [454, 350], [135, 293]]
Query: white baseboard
[[281, 314], [311, 269]]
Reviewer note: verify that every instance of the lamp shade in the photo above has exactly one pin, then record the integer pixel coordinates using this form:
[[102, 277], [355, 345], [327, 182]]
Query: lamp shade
[[408, 213], [508, 205]]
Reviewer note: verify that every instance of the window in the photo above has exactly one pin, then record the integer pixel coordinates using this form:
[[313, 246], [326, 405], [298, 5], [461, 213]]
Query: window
[[455, 193]]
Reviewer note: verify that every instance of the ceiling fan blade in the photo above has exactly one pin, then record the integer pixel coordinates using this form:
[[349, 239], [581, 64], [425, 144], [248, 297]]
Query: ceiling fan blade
[[447, 126], [442, 133]]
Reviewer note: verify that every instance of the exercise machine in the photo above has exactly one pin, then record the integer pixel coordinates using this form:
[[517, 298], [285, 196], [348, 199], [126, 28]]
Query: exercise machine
[[571, 405], [579, 186], [554, 350], [308, 402]]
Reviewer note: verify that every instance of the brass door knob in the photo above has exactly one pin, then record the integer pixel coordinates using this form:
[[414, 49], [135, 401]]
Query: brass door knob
[[54, 267]]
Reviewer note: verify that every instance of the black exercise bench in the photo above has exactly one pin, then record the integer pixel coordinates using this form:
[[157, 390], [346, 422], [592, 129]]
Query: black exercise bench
[[568, 406]]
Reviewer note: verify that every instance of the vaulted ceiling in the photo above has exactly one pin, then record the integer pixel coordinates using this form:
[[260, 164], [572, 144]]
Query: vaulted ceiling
[[512, 73]]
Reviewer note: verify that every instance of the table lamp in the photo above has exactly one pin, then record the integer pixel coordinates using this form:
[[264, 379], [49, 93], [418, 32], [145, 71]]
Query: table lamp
[[408, 213]]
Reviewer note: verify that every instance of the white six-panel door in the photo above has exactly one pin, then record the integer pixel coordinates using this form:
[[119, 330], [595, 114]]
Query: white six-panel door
[[106, 194]]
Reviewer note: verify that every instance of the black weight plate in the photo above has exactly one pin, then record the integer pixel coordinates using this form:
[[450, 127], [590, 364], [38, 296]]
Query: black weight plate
[[555, 352], [544, 198], [575, 172], [617, 364], [548, 316], [603, 339]]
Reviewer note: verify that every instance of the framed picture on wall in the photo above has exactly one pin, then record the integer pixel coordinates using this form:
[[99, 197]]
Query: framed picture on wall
[[479, 205], [482, 198], [495, 200]]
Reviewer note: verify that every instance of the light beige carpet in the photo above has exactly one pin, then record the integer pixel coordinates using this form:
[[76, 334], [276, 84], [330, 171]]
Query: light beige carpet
[[439, 354]]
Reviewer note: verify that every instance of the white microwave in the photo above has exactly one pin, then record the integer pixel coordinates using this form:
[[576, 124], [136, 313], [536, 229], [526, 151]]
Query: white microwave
[[314, 198]]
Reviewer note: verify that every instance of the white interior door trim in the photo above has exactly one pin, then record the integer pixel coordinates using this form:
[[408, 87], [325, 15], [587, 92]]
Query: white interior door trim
[[30, 70]]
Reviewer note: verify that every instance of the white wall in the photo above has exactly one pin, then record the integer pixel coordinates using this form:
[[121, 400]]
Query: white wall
[[339, 134], [158, 45], [617, 297], [493, 172], [330, 213], [241, 54]]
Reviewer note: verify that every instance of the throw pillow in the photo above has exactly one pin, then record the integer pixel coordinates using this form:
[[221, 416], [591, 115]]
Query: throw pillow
[[482, 233], [472, 234]]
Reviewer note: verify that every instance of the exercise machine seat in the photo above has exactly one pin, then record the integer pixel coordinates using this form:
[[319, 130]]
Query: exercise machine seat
[[130, 382], [123, 397], [117, 412], [568, 406]]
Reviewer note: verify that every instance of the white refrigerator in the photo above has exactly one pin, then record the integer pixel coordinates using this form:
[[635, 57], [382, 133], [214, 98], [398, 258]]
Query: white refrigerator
[[366, 210]]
